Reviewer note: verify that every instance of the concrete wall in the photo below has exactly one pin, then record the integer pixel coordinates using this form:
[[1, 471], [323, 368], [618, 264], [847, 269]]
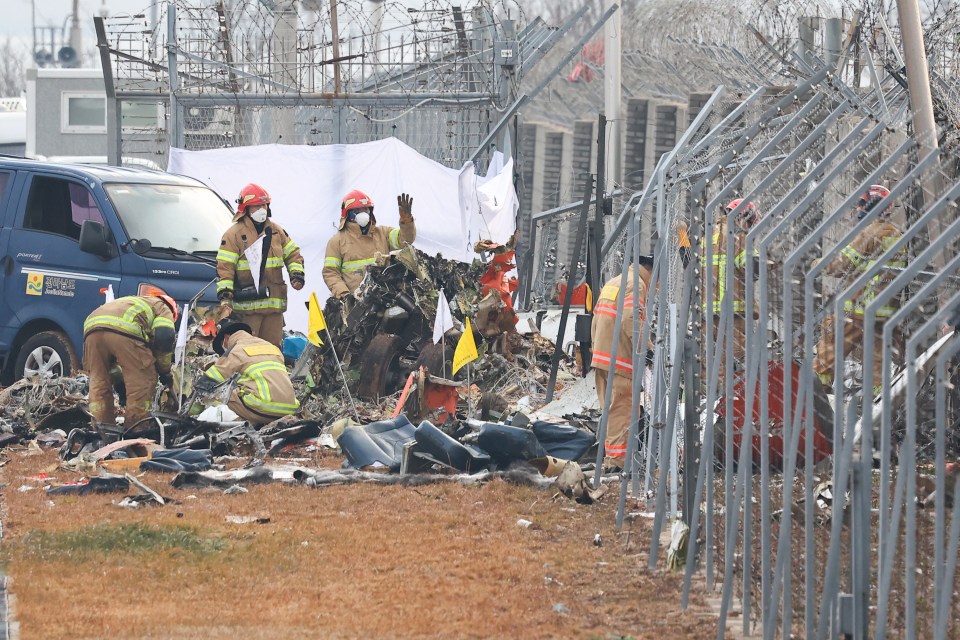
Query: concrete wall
[[45, 90], [555, 162]]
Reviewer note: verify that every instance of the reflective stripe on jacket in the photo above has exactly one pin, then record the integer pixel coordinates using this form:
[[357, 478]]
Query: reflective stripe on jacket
[[350, 252], [233, 268], [146, 319], [263, 385], [604, 321], [863, 253], [719, 269]]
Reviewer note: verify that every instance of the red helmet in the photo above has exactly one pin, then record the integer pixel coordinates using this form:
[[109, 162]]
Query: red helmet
[[870, 198], [873, 195], [156, 292], [356, 199], [252, 194], [748, 213]]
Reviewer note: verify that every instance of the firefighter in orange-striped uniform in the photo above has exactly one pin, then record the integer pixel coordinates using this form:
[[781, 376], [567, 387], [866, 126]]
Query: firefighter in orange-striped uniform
[[604, 319]]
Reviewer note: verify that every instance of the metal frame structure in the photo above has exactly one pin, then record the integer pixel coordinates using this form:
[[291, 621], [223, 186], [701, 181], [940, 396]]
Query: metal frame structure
[[804, 157], [443, 78]]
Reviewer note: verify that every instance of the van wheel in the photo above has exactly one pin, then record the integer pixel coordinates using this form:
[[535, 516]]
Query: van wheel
[[47, 354]]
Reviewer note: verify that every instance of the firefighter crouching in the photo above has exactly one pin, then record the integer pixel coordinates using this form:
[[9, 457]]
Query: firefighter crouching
[[138, 334], [601, 333], [262, 309], [263, 391], [857, 257], [358, 239]]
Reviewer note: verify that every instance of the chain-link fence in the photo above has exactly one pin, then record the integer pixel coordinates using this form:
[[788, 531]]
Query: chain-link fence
[[800, 404], [437, 75]]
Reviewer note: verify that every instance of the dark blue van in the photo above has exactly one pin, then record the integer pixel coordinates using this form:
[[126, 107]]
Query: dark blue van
[[68, 232]]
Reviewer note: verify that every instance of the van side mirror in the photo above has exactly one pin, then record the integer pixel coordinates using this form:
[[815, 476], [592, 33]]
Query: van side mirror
[[94, 239]]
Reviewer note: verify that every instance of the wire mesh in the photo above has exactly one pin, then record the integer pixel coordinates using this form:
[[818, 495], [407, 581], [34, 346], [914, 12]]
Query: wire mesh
[[241, 73], [788, 508]]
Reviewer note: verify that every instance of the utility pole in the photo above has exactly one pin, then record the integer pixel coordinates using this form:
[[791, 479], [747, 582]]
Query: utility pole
[[284, 61], [33, 30], [611, 96], [921, 102], [76, 35]]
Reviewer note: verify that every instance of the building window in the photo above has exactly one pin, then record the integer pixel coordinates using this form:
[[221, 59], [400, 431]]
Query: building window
[[83, 113], [140, 116]]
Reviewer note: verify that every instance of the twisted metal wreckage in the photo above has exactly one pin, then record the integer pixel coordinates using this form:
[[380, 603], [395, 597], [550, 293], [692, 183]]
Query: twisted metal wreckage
[[382, 342]]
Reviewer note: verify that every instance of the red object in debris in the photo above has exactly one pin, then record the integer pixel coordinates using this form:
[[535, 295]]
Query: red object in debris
[[822, 418], [440, 396], [579, 297], [495, 278], [403, 395], [209, 328]]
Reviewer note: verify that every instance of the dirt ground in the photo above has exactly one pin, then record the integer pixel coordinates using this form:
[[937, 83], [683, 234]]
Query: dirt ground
[[355, 561]]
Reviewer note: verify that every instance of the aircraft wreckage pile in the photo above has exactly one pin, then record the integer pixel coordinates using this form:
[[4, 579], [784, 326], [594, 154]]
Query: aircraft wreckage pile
[[378, 390]]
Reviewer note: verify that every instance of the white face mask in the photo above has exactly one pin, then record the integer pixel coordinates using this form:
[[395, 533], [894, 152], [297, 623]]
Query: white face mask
[[259, 215], [363, 218]]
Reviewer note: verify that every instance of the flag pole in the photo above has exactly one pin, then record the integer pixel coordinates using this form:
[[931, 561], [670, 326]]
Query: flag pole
[[343, 376], [182, 349]]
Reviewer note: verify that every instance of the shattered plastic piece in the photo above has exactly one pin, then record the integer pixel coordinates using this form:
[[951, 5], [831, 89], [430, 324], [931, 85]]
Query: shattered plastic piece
[[234, 490], [507, 444], [97, 484], [135, 502], [247, 520], [177, 460], [562, 440], [526, 524], [561, 608], [146, 490], [439, 445], [597, 540], [378, 443], [53, 438], [218, 413], [677, 552], [549, 466]]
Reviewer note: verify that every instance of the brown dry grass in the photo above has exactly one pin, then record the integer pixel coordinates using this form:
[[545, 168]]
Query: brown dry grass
[[358, 561]]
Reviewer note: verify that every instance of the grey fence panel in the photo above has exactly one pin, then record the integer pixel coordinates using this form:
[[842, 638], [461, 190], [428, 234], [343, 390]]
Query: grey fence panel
[[770, 431]]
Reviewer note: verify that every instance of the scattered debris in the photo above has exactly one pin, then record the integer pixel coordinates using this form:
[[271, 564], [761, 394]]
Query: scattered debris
[[247, 520], [677, 551]]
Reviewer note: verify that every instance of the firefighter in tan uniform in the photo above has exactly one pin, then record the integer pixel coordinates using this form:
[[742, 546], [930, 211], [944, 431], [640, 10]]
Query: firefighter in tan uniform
[[263, 391], [355, 245], [262, 309], [857, 257], [138, 334], [601, 335], [746, 218]]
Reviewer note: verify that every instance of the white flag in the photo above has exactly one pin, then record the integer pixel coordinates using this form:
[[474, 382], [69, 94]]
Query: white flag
[[182, 335], [108, 294], [254, 255], [444, 320]]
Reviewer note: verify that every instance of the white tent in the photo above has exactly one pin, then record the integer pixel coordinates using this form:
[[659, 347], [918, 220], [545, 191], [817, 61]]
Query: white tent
[[453, 209]]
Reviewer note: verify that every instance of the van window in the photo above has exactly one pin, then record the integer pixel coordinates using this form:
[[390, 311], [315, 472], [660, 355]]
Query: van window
[[59, 206], [181, 217], [4, 179]]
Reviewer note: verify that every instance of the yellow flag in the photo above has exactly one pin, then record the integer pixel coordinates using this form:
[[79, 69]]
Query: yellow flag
[[317, 322], [466, 351]]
